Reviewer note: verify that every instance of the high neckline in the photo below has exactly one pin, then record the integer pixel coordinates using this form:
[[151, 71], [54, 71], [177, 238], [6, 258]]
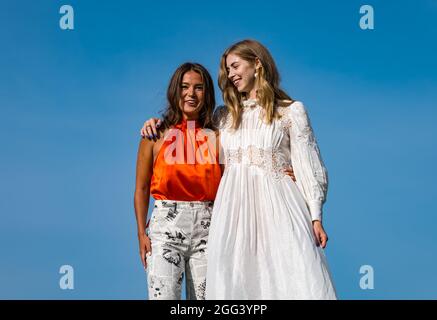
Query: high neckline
[[193, 123], [184, 120], [251, 103]]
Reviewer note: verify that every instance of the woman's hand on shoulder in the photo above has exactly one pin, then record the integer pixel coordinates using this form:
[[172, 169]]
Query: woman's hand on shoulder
[[150, 129]]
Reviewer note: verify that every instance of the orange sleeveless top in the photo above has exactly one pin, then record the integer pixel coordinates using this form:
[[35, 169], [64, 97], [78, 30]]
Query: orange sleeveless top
[[187, 166]]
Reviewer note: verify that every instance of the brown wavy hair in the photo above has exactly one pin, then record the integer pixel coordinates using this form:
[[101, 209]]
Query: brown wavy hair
[[172, 115], [268, 94]]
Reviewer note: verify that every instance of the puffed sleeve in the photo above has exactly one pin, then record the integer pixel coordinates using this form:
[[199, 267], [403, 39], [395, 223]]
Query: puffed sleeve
[[309, 169]]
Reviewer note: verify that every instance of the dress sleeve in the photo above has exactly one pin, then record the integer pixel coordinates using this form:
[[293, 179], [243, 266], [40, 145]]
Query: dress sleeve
[[309, 169]]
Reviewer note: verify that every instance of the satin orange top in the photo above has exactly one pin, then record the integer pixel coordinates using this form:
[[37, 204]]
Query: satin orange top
[[187, 166]]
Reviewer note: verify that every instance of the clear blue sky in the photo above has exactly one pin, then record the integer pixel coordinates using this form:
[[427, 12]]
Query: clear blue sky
[[72, 104]]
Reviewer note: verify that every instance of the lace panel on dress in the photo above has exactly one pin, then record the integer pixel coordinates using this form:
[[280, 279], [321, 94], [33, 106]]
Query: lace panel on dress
[[265, 159]]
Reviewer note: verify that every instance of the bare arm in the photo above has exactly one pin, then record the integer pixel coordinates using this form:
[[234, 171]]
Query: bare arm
[[142, 194]]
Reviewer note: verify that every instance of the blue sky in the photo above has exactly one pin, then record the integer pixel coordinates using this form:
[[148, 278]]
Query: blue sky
[[72, 103]]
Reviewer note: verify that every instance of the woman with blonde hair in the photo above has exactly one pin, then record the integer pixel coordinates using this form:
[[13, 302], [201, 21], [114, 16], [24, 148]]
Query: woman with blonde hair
[[266, 237]]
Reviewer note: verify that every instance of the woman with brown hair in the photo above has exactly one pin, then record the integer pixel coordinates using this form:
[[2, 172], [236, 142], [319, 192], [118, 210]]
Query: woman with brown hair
[[182, 172]]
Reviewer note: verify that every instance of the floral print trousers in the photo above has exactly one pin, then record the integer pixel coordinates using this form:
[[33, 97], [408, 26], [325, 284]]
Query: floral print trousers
[[178, 231]]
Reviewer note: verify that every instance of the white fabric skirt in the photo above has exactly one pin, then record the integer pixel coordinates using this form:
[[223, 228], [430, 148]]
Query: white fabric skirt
[[261, 243]]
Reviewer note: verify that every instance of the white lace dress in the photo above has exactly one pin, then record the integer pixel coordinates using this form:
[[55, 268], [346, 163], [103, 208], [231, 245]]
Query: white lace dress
[[261, 243]]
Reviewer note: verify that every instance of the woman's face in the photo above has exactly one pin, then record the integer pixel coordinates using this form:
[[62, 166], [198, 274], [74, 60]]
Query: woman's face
[[191, 95], [241, 72]]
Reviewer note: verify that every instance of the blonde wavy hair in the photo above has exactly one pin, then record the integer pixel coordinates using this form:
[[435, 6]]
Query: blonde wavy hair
[[268, 94]]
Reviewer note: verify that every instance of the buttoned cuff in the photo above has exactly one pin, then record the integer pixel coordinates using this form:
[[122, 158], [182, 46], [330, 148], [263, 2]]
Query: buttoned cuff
[[315, 207]]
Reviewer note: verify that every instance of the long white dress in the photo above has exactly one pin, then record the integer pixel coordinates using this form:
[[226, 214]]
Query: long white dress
[[261, 243]]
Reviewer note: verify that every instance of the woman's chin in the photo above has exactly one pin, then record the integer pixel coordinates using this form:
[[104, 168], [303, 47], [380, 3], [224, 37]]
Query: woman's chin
[[242, 89], [189, 109]]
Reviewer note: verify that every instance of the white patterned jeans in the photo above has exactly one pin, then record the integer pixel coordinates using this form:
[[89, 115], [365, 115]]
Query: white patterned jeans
[[178, 231]]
